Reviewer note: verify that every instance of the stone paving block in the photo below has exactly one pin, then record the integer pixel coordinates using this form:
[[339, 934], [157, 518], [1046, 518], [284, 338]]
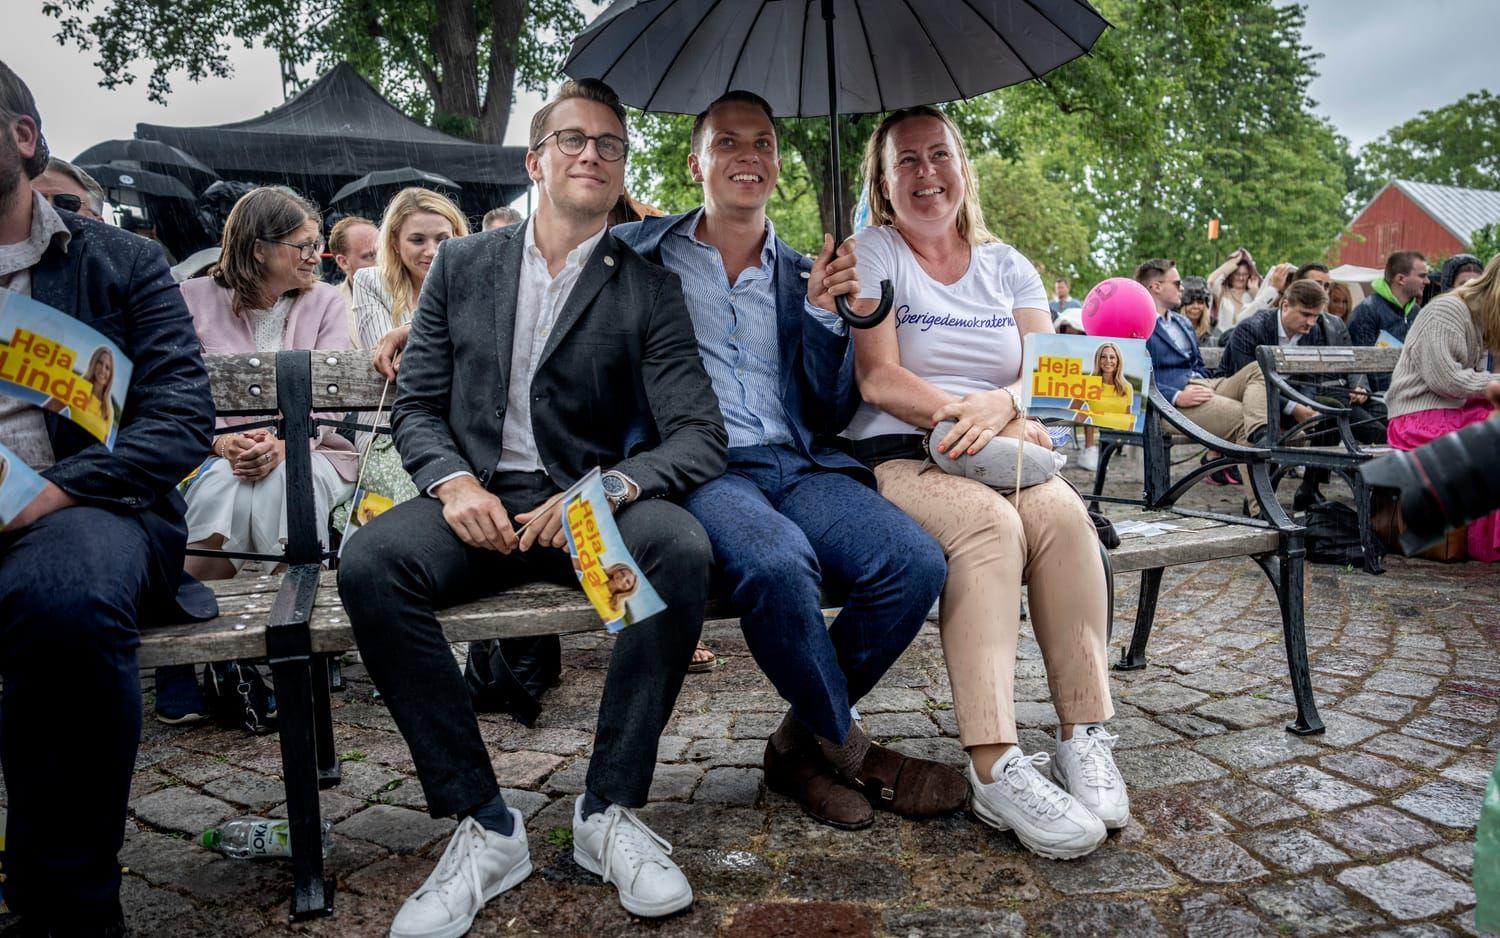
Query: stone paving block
[[1473, 769], [1254, 748], [1408, 889], [1193, 727], [1424, 930], [155, 911], [1418, 752], [163, 860], [1218, 680], [791, 832], [1244, 712], [1107, 870], [1378, 706], [1135, 732], [1212, 860], [1175, 813], [1294, 849], [1248, 804], [181, 809], [1405, 683], [857, 879], [1458, 857], [193, 768], [1243, 641], [1310, 907], [688, 825], [1346, 663], [707, 753], [752, 726], [1317, 790], [710, 725], [365, 779], [739, 874], [558, 741], [954, 923], [399, 830], [728, 785], [247, 789], [968, 877], [1367, 769], [1342, 730], [1211, 915], [1080, 919], [1445, 730], [893, 700], [1444, 802], [525, 768], [1376, 829], [529, 803], [1160, 766], [882, 726], [332, 806], [674, 782], [758, 919], [944, 749], [1466, 707], [1164, 696]]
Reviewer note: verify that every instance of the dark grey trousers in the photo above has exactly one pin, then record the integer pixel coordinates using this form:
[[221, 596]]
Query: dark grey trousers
[[408, 563]]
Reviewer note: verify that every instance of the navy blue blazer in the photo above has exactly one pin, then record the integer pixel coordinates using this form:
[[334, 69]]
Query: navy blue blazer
[[119, 284], [819, 394], [1172, 368]]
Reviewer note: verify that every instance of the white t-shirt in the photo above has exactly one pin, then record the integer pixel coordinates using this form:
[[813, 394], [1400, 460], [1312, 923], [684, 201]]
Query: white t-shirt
[[961, 337]]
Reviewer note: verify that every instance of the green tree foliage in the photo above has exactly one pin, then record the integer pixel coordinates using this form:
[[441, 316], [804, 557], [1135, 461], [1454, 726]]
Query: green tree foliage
[[1456, 145], [1485, 242], [1040, 216], [453, 63]]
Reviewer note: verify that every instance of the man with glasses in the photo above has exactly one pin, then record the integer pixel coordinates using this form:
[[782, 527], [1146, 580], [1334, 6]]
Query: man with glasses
[[537, 353], [1232, 407], [71, 189]]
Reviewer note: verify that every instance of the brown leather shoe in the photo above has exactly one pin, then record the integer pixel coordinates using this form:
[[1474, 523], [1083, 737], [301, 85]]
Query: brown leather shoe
[[807, 777], [911, 787]]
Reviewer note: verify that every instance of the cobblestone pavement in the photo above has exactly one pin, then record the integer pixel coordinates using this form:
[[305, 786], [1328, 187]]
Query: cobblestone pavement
[[1238, 827]]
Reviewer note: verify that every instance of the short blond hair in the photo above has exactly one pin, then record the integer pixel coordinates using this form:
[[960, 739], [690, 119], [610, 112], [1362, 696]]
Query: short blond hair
[[409, 202], [971, 226], [589, 89]]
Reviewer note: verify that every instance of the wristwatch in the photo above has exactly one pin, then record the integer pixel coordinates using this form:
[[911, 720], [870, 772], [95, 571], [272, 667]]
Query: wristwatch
[[617, 486]]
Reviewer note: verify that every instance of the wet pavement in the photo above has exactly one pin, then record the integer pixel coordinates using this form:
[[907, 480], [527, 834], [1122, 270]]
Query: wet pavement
[[1238, 828]]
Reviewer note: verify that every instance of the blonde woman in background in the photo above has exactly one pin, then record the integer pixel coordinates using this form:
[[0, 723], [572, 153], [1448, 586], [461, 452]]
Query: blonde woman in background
[[416, 222]]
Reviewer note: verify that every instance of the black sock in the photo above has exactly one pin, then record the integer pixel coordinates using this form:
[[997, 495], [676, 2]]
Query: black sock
[[593, 804], [495, 816]]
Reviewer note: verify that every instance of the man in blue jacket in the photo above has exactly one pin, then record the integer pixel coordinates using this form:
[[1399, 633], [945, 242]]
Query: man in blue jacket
[[791, 516], [98, 550]]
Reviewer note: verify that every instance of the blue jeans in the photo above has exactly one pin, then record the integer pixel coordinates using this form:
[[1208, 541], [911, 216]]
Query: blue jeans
[[71, 587], [781, 525]]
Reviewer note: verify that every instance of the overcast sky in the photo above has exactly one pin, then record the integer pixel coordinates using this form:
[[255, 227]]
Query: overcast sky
[[1383, 63]]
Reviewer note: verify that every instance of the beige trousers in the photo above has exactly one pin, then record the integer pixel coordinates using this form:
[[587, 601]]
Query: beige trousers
[[1238, 407], [992, 546]]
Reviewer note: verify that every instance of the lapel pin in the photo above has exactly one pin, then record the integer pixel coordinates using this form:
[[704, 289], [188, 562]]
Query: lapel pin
[[805, 275], [609, 261]]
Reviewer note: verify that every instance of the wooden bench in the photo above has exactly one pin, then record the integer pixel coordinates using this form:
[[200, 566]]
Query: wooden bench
[[1112, 442], [1288, 370], [295, 619]]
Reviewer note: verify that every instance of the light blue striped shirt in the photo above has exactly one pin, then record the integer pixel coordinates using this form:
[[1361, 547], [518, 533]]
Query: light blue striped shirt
[[736, 328]]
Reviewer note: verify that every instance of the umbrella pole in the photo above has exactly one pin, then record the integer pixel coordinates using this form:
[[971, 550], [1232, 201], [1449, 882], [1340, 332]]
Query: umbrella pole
[[886, 294]]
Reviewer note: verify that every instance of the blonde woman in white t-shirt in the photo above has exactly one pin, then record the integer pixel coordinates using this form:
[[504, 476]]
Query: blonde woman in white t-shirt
[[951, 349]]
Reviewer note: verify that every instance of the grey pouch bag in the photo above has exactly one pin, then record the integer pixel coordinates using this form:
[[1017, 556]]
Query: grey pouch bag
[[995, 465]]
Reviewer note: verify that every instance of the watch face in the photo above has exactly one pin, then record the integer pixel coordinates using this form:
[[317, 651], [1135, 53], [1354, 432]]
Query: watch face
[[614, 486]]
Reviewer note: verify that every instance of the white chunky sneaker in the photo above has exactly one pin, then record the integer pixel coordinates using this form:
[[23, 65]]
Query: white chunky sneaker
[[1045, 818], [618, 847], [1089, 458], [478, 865], [1084, 766]]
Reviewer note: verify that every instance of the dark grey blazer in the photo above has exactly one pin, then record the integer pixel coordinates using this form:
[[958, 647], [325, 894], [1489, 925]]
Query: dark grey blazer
[[620, 367]]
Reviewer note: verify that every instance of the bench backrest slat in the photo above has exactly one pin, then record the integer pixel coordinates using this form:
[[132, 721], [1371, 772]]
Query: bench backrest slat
[[243, 385], [1336, 360], [342, 380]]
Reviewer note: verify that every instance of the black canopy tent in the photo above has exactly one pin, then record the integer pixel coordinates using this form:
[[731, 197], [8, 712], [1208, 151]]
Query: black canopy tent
[[338, 129]]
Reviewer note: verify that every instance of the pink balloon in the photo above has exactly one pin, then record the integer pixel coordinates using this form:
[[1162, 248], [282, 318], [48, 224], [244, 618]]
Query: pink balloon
[[1119, 308]]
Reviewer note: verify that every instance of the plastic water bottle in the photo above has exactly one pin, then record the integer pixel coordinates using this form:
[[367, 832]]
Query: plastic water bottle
[[254, 838]]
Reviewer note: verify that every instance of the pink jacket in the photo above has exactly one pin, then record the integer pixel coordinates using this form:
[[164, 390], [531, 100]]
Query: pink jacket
[[318, 320]]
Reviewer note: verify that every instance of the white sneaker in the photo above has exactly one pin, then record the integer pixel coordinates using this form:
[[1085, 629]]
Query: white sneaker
[[478, 865], [618, 847], [1084, 766], [1089, 458], [1045, 818]]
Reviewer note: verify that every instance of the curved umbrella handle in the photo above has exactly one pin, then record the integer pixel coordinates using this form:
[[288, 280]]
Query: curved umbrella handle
[[855, 320]]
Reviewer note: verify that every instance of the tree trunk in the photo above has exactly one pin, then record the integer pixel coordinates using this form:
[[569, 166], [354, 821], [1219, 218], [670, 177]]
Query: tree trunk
[[454, 41], [814, 154], [506, 20]]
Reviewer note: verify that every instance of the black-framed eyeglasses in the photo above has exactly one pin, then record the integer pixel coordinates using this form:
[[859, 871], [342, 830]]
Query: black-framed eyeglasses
[[310, 251], [67, 201], [571, 142]]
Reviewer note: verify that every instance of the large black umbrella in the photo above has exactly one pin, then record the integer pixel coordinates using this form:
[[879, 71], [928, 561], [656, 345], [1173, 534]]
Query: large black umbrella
[[117, 178], [154, 156], [810, 58], [379, 186]]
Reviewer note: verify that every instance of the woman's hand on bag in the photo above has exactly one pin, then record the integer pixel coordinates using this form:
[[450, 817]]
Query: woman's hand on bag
[[263, 456], [387, 357], [978, 418]]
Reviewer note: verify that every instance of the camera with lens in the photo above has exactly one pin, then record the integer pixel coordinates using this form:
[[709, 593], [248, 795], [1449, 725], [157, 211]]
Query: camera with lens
[[1445, 484]]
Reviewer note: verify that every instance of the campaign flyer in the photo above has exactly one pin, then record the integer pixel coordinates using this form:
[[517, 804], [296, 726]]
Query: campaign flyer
[[1095, 380], [611, 578]]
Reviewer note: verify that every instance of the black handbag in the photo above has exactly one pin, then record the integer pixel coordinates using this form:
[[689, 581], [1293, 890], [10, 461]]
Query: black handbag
[[239, 697], [509, 675]]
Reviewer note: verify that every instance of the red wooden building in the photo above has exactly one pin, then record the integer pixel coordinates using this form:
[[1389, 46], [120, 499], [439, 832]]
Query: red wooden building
[[1418, 216]]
